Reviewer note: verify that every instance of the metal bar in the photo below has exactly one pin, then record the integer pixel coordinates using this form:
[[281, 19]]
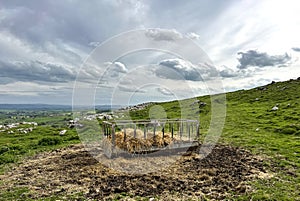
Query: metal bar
[[172, 131], [181, 129], [178, 129], [124, 129], [189, 130], [121, 122], [198, 130], [186, 128], [134, 131]]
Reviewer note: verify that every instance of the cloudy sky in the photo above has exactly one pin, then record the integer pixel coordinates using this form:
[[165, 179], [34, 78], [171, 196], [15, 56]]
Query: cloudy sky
[[56, 51]]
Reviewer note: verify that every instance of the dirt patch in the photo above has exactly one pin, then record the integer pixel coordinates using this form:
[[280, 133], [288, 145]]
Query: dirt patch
[[72, 170]]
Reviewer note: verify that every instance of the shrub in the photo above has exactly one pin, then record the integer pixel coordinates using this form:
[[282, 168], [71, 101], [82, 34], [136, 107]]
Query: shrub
[[76, 137], [288, 130], [4, 149], [16, 147], [49, 141], [7, 158]]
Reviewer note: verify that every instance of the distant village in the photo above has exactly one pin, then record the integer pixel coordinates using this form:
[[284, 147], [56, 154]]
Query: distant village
[[24, 127], [20, 127]]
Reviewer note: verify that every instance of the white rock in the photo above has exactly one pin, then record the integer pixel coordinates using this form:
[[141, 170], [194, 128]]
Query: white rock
[[62, 132], [274, 108]]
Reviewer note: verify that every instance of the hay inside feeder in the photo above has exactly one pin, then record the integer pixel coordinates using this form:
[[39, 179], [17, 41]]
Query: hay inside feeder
[[143, 137], [135, 143]]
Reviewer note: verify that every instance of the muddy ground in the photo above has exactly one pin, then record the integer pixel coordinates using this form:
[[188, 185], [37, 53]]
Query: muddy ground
[[71, 170]]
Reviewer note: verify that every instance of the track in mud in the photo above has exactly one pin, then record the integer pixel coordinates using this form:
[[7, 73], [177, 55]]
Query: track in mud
[[73, 169]]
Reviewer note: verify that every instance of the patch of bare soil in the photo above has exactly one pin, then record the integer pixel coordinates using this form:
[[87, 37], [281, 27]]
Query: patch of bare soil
[[71, 170]]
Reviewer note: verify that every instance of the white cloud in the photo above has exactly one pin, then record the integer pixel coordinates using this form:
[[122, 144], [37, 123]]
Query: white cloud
[[32, 89], [164, 91], [131, 89], [193, 35], [127, 84], [94, 44], [126, 81], [120, 67], [163, 34]]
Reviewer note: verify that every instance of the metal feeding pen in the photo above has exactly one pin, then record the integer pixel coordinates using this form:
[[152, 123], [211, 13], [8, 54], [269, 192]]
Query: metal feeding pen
[[174, 135]]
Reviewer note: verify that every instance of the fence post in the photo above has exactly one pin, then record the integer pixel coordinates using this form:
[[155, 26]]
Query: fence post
[[103, 129], [145, 130], [189, 130], [192, 131], [154, 129], [181, 129], [107, 131], [113, 135], [172, 130], [198, 130]]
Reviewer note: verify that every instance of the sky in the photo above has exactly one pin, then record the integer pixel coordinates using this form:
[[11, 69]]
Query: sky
[[64, 52]]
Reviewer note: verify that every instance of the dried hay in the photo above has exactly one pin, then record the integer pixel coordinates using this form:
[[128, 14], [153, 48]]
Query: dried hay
[[139, 143]]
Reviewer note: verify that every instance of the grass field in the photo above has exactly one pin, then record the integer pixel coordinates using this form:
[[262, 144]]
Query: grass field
[[250, 123], [14, 146]]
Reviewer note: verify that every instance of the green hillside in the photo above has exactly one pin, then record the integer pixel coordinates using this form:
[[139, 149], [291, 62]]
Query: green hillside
[[251, 123]]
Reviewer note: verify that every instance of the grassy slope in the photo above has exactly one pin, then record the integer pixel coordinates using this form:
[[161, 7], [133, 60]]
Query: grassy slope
[[44, 137], [278, 135], [252, 124]]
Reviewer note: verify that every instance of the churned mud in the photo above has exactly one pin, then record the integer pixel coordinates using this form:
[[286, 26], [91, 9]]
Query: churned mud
[[73, 170]]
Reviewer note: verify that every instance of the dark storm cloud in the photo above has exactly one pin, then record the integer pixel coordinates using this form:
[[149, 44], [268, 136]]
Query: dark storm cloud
[[228, 73], [34, 71], [179, 69], [75, 21], [261, 59], [296, 49], [47, 41]]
